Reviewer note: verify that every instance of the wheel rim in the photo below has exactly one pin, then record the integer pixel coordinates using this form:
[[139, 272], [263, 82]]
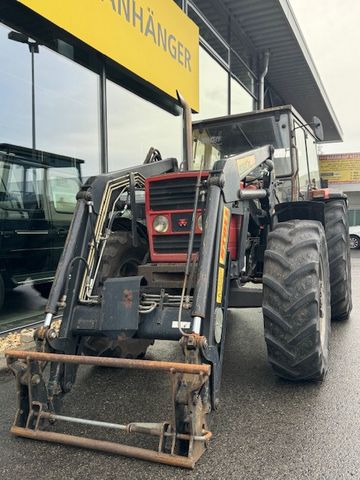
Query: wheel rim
[[354, 242], [322, 309]]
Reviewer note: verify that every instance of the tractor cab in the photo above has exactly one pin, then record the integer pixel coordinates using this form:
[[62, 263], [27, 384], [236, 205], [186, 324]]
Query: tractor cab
[[294, 142]]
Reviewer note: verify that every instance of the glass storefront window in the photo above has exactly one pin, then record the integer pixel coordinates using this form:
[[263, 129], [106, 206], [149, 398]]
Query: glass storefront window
[[15, 91], [66, 103], [213, 88], [67, 109], [135, 125], [241, 101]]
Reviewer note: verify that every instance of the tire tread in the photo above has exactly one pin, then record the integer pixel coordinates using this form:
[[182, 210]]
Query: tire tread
[[291, 300]]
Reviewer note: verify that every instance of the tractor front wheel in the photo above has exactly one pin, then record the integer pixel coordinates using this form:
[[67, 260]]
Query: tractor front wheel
[[296, 300]]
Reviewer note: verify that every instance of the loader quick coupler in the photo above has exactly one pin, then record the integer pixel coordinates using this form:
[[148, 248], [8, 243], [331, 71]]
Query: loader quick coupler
[[182, 440]]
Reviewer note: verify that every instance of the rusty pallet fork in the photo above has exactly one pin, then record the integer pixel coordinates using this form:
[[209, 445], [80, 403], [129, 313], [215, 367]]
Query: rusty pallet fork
[[187, 381]]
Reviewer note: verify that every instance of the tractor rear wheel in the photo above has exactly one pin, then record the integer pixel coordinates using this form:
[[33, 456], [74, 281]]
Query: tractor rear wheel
[[120, 259], [338, 243], [296, 300]]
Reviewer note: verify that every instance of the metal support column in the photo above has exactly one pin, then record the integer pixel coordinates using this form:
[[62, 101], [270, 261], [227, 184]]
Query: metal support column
[[103, 122]]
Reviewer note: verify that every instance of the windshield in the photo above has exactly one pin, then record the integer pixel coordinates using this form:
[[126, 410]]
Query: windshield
[[237, 135]]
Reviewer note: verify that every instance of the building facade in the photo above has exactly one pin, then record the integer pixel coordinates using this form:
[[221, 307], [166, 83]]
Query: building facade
[[250, 56]]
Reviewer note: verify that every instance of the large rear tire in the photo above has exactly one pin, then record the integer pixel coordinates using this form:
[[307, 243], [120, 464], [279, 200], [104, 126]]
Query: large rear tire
[[338, 243], [120, 259], [296, 300]]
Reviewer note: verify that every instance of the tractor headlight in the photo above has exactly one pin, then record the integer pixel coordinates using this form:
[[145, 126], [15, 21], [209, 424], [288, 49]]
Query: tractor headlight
[[161, 224], [200, 222]]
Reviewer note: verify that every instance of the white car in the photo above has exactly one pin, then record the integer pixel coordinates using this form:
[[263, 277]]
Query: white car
[[354, 236]]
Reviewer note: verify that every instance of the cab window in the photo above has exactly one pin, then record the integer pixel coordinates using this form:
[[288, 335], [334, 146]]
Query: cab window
[[301, 157], [63, 184], [313, 160], [236, 135]]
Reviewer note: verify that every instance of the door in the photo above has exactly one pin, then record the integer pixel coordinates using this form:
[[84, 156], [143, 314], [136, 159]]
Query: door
[[25, 241]]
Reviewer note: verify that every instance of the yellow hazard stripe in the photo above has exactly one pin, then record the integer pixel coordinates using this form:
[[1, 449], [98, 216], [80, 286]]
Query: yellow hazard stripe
[[220, 285], [224, 235], [222, 254]]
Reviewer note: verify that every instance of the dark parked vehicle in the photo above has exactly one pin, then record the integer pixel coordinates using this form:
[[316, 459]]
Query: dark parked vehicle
[[37, 198]]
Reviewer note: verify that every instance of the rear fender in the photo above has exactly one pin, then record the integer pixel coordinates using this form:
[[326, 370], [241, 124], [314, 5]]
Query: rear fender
[[304, 210]]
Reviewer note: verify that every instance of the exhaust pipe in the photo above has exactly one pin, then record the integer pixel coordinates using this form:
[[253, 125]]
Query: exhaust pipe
[[261, 94], [187, 132]]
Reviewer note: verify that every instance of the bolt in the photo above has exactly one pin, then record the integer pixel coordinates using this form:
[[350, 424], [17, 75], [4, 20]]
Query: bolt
[[52, 334]]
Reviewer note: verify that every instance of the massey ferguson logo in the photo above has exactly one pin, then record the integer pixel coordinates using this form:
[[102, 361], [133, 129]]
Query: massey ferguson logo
[[182, 222]]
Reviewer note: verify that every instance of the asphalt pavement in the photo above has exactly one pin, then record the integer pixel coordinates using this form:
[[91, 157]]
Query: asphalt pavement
[[265, 428]]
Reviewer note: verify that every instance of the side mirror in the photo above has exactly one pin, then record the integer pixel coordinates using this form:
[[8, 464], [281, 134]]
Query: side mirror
[[318, 128]]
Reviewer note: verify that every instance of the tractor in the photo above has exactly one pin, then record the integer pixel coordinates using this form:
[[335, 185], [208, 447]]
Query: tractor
[[163, 250]]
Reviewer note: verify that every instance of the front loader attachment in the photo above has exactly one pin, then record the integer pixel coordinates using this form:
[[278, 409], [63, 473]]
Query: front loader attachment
[[118, 299], [182, 440]]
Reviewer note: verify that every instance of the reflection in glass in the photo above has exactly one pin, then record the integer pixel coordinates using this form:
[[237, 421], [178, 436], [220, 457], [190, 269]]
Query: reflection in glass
[[213, 88], [67, 110], [135, 125], [241, 101], [66, 103], [15, 91]]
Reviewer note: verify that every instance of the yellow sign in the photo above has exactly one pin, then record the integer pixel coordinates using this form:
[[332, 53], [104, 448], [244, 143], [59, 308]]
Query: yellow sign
[[222, 254], [154, 39], [245, 163], [340, 168], [220, 284]]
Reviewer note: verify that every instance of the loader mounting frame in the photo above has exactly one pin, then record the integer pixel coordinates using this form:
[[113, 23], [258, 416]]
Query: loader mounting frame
[[189, 386]]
